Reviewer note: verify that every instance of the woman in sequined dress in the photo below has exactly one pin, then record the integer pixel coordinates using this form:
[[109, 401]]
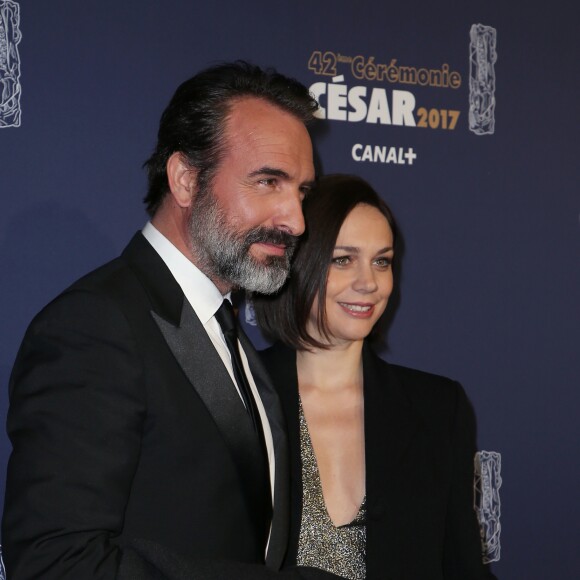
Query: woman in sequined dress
[[382, 455]]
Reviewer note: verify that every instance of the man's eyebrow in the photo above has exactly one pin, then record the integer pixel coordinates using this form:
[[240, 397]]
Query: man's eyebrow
[[272, 171]]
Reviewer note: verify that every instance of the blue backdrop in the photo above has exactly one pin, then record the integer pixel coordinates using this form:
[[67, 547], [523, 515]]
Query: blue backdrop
[[469, 132]]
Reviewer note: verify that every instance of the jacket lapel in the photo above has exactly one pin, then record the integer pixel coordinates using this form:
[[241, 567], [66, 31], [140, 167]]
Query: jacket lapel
[[281, 515], [164, 293], [281, 363], [190, 344], [390, 427], [205, 370], [203, 367], [200, 362]]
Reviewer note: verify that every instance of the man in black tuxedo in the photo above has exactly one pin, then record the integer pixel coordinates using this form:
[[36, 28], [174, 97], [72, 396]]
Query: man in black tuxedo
[[140, 449]]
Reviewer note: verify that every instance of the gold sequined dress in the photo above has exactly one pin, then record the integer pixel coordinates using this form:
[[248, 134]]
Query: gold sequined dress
[[340, 550]]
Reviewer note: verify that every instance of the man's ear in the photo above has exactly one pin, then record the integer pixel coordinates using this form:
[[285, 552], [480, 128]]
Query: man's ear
[[182, 179]]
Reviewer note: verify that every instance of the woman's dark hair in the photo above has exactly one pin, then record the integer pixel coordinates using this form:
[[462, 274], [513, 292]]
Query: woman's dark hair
[[193, 122], [284, 316]]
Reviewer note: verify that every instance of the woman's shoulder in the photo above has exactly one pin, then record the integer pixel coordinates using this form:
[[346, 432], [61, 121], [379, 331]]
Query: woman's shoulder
[[421, 377], [415, 383], [437, 399]]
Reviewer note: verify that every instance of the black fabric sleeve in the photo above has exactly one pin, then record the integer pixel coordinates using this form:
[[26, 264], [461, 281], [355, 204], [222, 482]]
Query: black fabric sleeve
[[75, 418], [462, 559]]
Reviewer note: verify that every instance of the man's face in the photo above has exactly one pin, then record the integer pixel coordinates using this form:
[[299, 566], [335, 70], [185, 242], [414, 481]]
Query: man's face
[[244, 227]]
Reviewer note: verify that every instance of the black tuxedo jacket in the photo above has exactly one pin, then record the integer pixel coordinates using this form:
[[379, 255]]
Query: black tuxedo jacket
[[120, 432], [419, 446]]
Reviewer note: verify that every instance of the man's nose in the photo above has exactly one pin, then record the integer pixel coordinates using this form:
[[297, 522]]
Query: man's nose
[[290, 217]]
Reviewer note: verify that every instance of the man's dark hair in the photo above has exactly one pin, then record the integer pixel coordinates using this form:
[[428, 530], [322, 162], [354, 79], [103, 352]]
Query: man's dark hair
[[193, 122], [284, 316]]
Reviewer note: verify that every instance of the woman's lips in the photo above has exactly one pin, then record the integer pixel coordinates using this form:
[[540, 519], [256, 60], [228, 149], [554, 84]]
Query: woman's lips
[[357, 310]]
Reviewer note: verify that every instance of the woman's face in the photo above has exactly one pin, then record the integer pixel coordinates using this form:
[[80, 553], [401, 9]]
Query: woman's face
[[360, 277]]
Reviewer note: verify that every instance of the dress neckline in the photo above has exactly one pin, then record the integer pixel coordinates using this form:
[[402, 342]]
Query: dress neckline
[[360, 517]]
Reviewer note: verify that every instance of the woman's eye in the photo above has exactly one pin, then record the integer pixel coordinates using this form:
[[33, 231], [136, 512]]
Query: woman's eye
[[383, 262], [341, 260]]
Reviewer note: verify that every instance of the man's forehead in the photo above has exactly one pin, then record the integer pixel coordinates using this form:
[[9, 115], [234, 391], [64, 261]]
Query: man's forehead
[[254, 112], [260, 132]]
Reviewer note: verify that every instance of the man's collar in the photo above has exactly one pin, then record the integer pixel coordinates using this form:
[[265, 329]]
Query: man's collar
[[199, 290]]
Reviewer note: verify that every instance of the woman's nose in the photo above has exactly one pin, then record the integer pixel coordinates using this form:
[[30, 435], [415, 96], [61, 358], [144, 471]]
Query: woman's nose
[[365, 280]]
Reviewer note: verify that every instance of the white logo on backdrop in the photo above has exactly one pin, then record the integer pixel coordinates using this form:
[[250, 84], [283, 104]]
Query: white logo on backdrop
[[250, 316], [487, 502], [482, 58], [2, 570], [9, 64]]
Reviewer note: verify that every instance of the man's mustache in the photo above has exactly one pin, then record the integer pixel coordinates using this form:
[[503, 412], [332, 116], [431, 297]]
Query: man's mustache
[[262, 235]]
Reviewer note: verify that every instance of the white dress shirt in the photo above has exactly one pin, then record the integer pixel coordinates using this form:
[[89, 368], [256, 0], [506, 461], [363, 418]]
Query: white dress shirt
[[205, 299]]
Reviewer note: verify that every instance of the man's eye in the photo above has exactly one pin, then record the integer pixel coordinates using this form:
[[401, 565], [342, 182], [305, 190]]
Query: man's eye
[[269, 181]]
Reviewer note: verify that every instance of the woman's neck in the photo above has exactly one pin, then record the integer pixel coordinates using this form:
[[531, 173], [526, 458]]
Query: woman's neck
[[331, 369], [331, 390]]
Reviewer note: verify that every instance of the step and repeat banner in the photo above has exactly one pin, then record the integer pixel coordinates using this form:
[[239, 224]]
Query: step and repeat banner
[[463, 116]]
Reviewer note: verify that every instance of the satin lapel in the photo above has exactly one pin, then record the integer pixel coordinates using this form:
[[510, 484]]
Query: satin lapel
[[281, 515], [201, 364], [164, 293], [205, 370], [190, 344], [282, 365], [390, 425]]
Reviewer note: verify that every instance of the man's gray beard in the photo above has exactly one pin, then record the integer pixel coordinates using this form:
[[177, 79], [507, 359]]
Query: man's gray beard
[[225, 254]]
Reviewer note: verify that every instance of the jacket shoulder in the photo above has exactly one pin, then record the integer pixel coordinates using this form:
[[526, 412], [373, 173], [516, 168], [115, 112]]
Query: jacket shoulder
[[116, 282], [426, 391], [99, 287], [422, 379]]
